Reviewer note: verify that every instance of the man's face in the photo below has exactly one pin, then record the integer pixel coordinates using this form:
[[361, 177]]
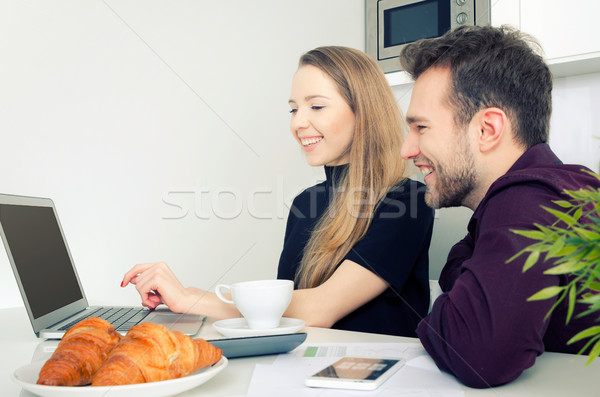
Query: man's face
[[442, 152]]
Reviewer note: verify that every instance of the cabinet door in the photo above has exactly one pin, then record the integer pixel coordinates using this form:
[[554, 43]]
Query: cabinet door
[[565, 28]]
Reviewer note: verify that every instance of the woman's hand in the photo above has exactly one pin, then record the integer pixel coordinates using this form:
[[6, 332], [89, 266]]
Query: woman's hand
[[156, 284]]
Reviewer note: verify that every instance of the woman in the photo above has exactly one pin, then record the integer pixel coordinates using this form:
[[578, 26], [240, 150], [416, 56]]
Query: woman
[[356, 245]]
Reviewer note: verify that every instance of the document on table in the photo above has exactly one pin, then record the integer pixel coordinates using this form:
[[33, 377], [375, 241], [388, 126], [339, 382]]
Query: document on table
[[419, 377]]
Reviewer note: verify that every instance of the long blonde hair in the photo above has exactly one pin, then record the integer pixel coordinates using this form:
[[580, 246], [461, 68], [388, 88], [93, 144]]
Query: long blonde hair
[[375, 162]]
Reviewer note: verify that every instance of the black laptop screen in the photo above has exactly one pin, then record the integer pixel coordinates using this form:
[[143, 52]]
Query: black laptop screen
[[40, 256]]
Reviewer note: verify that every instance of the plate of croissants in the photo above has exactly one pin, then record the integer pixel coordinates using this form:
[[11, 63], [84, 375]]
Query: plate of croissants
[[92, 359]]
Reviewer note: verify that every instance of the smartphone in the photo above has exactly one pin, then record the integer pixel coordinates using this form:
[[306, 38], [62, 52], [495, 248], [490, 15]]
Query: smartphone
[[355, 373], [259, 345]]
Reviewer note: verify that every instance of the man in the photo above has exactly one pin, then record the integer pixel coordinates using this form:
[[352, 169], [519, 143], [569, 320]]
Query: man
[[479, 117]]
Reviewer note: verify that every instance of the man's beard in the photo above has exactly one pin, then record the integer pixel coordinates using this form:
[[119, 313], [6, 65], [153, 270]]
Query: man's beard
[[454, 181]]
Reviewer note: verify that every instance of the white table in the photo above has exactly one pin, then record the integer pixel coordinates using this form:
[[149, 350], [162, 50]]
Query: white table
[[553, 374]]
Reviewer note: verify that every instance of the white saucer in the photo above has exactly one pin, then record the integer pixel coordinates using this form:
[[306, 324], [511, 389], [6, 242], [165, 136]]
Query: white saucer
[[238, 327]]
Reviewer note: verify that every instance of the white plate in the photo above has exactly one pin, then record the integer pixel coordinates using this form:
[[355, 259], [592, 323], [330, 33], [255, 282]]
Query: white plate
[[27, 377], [238, 327]]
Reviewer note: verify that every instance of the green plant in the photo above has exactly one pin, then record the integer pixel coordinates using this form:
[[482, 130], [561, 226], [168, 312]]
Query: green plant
[[573, 240]]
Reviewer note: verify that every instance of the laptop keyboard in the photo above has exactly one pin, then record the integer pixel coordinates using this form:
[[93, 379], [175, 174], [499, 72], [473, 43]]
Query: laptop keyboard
[[121, 318]]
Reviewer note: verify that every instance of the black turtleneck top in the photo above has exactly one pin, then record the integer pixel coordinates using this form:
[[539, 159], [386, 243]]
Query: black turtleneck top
[[395, 247]]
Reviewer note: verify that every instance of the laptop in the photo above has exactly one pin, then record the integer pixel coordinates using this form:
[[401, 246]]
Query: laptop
[[47, 278]]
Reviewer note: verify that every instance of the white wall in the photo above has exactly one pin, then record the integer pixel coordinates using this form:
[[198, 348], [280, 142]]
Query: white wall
[[160, 128], [574, 134]]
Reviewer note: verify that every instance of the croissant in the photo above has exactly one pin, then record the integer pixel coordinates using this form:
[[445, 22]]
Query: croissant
[[82, 350], [150, 353]]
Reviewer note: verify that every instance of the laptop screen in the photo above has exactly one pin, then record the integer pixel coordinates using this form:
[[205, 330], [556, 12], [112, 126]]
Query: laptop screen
[[40, 257]]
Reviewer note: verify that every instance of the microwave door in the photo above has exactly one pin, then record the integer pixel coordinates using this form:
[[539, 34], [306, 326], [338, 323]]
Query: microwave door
[[403, 21], [392, 24]]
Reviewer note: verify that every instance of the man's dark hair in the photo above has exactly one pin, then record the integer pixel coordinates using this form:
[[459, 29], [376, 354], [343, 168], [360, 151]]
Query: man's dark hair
[[490, 66]]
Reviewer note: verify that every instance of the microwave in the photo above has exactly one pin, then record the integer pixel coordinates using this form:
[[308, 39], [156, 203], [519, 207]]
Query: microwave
[[391, 24]]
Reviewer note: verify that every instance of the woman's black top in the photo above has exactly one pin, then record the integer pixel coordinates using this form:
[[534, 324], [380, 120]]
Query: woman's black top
[[395, 247]]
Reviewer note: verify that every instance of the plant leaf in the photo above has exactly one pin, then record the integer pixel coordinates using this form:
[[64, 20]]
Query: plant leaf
[[577, 214], [563, 203], [531, 260], [590, 299], [546, 293], [586, 333], [556, 247], [530, 248], [572, 297], [582, 251], [593, 353], [587, 234], [594, 253], [567, 267], [555, 305], [584, 313], [592, 173], [595, 286], [566, 250], [588, 344], [532, 234], [518, 254], [543, 228], [568, 219]]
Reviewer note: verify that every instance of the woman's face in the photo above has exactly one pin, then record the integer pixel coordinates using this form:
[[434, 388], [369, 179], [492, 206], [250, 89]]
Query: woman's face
[[322, 121]]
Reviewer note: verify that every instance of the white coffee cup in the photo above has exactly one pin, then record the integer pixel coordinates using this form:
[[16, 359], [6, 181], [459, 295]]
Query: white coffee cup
[[261, 302]]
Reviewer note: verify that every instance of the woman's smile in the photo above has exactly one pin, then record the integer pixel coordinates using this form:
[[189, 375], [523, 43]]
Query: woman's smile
[[310, 143]]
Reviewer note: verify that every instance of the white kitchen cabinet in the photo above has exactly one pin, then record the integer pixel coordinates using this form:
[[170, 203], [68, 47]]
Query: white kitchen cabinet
[[568, 31]]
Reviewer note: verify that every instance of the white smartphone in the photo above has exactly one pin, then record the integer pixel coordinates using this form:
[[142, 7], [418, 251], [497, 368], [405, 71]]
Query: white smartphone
[[355, 373]]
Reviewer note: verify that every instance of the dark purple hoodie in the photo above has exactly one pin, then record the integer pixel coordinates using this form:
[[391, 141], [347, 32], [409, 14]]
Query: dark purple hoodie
[[482, 329]]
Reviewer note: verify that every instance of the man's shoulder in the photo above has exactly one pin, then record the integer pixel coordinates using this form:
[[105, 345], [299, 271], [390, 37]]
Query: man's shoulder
[[551, 174], [542, 182], [516, 197], [539, 167]]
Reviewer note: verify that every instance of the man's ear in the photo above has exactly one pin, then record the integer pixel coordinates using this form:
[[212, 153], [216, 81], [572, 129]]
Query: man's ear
[[492, 125]]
